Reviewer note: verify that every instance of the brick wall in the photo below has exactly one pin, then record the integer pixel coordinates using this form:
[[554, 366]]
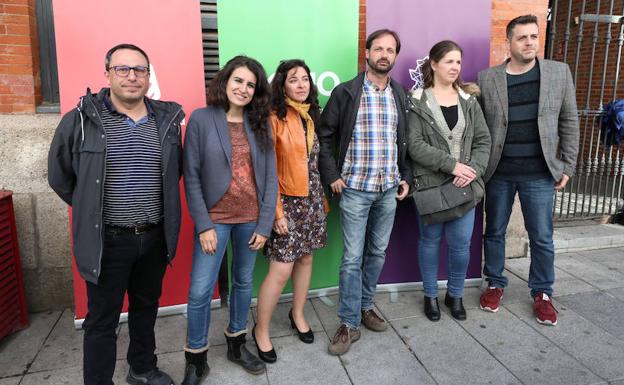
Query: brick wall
[[505, 10], [20, 89]]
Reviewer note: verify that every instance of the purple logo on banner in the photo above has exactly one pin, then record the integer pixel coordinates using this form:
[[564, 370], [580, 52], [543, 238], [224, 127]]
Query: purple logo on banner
[[420, 25]]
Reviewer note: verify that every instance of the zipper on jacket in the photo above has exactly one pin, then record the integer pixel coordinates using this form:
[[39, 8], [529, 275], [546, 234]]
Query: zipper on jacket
[[162, 142]]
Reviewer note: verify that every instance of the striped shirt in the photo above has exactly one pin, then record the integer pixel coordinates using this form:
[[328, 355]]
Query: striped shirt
[[371, 160], [133, 182]]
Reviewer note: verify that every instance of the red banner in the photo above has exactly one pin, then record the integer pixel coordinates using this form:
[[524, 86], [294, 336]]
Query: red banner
[[170, 32]]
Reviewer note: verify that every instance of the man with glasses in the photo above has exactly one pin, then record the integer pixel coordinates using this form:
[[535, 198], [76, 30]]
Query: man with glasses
[[116, 159]]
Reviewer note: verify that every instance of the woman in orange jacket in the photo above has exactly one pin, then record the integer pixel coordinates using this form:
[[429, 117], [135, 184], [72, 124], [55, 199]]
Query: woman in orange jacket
[[300, 221]]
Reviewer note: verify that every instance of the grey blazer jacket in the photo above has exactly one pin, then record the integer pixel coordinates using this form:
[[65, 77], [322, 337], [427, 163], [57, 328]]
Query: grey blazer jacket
[[557, 115], [208, 168]]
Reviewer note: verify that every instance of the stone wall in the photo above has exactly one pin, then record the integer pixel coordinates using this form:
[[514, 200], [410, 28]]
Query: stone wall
[[42, 219]]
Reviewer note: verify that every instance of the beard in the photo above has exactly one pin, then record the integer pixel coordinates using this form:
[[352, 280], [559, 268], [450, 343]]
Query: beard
[[378, 69], [521, 58]]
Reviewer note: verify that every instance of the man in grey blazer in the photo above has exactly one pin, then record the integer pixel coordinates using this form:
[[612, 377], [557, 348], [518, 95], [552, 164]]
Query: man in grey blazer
[[530, 109]]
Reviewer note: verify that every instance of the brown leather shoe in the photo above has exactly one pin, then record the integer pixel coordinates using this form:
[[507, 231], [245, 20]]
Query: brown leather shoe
[[373, 322], [342, 340]]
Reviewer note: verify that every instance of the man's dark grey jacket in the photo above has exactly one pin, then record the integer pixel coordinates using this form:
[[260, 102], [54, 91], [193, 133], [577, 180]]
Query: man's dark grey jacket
[[76, 172]]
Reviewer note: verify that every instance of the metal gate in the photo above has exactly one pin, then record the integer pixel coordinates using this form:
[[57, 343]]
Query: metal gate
[[588, 35]]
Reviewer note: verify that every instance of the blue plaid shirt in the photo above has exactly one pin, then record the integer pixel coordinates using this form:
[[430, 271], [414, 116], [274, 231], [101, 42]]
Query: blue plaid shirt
[[371, 161]]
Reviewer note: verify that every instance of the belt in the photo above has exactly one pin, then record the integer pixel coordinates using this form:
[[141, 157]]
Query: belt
[[138, 229]]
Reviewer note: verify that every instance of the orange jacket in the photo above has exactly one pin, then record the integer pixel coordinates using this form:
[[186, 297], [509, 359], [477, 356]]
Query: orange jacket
[[291, 157]]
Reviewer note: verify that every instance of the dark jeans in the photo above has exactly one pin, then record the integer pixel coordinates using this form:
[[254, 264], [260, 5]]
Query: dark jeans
[[132, 263], [536, 201]]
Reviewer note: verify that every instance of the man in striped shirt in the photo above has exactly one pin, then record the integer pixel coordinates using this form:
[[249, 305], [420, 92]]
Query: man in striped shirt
[[116, 159], [363, 149]]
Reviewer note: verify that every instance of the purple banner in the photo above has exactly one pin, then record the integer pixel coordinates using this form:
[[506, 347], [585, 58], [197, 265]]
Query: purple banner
[[420, 25]]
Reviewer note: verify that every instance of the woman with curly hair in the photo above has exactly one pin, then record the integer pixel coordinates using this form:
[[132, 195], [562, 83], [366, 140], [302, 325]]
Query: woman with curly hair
[[300, 219], [231, 189]]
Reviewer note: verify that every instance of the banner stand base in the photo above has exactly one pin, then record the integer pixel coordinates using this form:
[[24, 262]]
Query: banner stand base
[[323, 294]]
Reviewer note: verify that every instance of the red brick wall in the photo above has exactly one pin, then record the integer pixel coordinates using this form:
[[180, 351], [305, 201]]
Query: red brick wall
[[362, 37], [20, 89], [505, 10]]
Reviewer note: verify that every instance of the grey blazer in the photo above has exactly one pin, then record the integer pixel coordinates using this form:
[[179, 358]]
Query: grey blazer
[[557, 115], [208, 168]]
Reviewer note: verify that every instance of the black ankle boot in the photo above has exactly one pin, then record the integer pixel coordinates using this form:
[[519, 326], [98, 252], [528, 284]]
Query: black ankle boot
[[457, 307], [269, 356], [432, 309], [196, 368], [238, 353]]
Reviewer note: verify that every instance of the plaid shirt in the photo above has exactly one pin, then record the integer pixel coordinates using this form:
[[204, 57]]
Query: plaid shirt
[[371, 161]]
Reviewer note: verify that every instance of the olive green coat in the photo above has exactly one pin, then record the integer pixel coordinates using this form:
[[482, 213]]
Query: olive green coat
[[429, 152]]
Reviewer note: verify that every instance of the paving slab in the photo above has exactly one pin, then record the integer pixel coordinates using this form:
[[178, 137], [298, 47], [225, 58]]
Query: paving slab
[[10, 380], [301, 364], [600, 308], [530, 356], [63, 348], [407, 304], [593, 347], [383, 358], [617, 293], [62, 376], [576, 238], [18, 350], [327, 314], [617, 382], [280, 324], [446, 351], [613, 262], [590, 271]]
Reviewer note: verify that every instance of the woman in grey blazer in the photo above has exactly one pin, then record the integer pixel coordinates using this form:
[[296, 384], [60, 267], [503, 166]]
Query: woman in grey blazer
[[449, 144], [231, 189]]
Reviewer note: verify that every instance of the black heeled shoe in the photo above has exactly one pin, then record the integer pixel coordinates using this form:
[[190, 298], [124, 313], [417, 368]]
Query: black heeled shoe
[[456, 306], [432, 309], [306, 337], [269, 356]]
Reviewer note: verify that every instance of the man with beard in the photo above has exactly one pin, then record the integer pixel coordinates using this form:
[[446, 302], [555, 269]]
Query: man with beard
[[362, 159], [530, 109]]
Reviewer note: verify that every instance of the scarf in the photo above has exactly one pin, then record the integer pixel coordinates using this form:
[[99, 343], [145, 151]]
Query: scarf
[[302, 109]]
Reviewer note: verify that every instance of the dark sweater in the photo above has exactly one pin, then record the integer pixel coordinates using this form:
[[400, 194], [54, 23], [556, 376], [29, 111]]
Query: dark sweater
[[522, 157]]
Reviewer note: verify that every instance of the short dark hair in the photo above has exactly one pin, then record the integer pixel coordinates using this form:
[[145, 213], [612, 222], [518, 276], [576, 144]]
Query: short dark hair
[[278, 101], [109, 54], [381, 32], [524, 19]]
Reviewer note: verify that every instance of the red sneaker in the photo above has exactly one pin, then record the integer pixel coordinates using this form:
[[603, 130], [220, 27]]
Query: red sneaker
[[545, 312], [490, 299]]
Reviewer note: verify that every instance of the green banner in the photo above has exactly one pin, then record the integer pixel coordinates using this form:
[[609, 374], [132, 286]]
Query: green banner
[[324, 33]]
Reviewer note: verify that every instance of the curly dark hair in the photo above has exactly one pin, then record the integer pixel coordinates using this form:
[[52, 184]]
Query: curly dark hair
[[258, 109], [278, 101]]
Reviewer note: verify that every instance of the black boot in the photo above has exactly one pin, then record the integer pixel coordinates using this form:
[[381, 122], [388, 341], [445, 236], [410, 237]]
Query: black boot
[[238, 353], [196, 368], [432, 309], [457, 307]]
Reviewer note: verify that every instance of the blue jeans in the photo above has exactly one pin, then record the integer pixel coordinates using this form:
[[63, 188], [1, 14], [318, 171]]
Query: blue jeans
[[204, 277], [367, 219], [458, 233], [536, 201]]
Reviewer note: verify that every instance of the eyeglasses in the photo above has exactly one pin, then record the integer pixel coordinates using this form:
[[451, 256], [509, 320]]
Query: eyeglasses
[[124, 71]]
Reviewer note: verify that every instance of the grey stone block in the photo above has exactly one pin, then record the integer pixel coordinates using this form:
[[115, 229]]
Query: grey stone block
[[65, 376], [578, 238], [530, 356], [447, 351], [49, 288], [592, 346], [24, 144], [383, 358], [301, 364], [609, 261], [62, 348], [53, 231], [10, 380], [408, 304], [18, 350], [617, 293], [589, 271], [600, 308], [23, 205], [280, 324]]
